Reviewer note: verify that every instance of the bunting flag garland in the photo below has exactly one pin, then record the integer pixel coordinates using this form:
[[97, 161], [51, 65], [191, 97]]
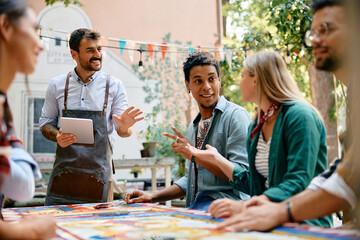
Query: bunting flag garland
[[228, 55], [163, 48], [122, 44], [192, 50], [173, 50], [248, 53], [217, 51], [150, 48], [46, 43], [68, 39], [131, 45], [220, 52], [104, 42]]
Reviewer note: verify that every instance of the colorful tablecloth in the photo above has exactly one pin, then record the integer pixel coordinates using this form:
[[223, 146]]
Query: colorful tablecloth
[[153, 221]]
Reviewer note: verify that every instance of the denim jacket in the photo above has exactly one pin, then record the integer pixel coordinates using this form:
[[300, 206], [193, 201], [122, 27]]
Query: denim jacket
[[227, 133]]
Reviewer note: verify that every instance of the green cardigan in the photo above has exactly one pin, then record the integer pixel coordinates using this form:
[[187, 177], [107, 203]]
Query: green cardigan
[[297, 154]]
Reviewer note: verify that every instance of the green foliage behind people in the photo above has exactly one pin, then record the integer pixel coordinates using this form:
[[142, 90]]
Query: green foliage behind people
[[279, 25], [175, 103]]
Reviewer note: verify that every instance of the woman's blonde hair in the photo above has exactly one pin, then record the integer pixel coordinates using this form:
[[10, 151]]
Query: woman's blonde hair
[[273, 78]]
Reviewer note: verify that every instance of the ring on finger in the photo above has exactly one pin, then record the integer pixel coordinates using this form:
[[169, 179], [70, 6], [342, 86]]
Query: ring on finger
[[176, 139]]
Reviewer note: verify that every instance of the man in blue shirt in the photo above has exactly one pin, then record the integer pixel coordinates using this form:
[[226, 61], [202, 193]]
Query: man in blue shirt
[[81, 173], [221, 124]]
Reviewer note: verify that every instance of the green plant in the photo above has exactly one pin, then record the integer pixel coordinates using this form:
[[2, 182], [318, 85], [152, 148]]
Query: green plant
[[66, 2], [279, 25], [154, 133], [136, 170], [169, 88]]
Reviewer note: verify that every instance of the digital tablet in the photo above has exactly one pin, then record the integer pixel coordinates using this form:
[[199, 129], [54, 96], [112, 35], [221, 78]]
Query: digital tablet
[[81, 127]]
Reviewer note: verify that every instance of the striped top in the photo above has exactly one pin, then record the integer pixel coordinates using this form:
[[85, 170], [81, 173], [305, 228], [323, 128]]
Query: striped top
[[262, 157]]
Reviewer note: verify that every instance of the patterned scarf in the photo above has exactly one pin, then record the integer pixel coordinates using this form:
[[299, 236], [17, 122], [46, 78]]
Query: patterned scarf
[[5, 148], [263, 118]]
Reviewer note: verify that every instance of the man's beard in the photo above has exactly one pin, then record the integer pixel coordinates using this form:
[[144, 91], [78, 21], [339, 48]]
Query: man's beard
[[330, 64], [87, 65]]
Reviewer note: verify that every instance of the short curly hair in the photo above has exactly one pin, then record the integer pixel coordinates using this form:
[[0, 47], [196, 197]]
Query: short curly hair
[[199, 59], [82, 33], [316, 5]]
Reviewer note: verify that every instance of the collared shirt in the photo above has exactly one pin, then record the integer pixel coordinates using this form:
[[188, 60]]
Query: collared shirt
[[84, 96], [227, 133]]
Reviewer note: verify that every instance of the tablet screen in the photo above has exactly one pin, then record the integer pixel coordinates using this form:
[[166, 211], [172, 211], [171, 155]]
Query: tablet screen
[[81, 127]]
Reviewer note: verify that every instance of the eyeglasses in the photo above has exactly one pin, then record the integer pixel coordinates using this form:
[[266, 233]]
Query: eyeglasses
[[319, 33]]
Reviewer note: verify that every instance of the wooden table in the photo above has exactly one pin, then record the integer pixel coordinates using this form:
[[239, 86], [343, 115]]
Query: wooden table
[[153, 163]]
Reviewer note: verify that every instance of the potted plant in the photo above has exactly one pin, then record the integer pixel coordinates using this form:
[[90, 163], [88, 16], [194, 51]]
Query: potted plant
[[154, 133], [151, 135], [136, 172]]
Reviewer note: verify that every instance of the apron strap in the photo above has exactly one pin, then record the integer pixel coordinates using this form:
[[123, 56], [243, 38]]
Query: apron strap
[[66, 91], [103, 112], [106, 94]]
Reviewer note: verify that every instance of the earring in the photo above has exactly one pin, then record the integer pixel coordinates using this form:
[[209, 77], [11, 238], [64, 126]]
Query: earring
[[189, 91]]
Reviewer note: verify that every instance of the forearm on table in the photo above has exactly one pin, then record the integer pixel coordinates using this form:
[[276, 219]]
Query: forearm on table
[[11, 231], [50, 132], [21, 184], [172, 192], [315, 204], [221, 168]]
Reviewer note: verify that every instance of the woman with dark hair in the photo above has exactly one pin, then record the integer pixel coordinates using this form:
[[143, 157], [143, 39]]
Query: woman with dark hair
[[19, 48]]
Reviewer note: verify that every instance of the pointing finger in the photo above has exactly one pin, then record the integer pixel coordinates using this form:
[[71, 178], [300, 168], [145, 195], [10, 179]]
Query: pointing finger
[[177, 132], [169, 135]]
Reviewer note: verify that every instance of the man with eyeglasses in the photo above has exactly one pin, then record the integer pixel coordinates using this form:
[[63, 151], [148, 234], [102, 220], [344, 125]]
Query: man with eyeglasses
[[333, 190]]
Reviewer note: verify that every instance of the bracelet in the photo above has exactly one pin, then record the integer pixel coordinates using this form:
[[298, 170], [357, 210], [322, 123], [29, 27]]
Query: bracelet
[[13, 138], [288, 209], [193, 158]]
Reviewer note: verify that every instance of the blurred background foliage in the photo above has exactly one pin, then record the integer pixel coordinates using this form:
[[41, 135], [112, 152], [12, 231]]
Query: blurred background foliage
[[256, 25]]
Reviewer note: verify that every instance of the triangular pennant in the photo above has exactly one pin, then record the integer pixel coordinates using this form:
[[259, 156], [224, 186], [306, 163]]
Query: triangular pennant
[[122, 44], [173, 54], [46, 42], [248, 53], [198, 48], [192, 50], [217, 52], [67, 40], [131, 46], [205, 50], [150, 48], [229, 54], [163, 49], [104, 42], [222, 53]]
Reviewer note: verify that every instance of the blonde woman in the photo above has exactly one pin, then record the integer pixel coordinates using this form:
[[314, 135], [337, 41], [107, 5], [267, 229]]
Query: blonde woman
[[286, 142]]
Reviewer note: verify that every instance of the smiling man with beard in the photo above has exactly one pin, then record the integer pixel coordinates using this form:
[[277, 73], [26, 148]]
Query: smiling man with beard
[[221, 124], [81, 173]]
